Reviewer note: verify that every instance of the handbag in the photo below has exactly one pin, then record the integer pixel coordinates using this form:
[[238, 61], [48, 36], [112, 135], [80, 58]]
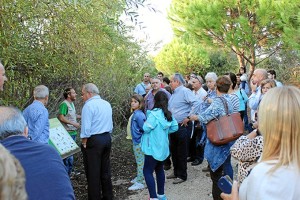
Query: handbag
[[225, 129]]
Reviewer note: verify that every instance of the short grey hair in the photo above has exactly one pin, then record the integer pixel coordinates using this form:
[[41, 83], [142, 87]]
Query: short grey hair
[[91, 87], [211, 75], [200, 79], [179, 77], [40, 92], [12, 122]]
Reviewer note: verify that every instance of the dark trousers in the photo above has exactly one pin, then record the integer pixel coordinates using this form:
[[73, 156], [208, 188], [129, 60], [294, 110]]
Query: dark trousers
[[196, 150], [96, 160], [150, 166], [179, 151], [215, 176]]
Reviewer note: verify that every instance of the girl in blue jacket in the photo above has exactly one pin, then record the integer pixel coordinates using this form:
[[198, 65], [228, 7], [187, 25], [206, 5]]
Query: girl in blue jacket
[[155, 144], [136, 122]]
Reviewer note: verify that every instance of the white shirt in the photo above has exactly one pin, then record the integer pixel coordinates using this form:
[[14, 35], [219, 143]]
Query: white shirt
[[200, 94], [283, 184]]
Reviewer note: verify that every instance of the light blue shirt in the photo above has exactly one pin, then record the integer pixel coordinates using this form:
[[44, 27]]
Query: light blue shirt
[[183, 103], [254, 101], [36, 116], [96, 117], [149, 99], [141, 88]]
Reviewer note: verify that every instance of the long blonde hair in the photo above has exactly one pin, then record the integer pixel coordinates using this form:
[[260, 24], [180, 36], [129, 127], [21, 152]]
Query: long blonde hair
[[12, 177], [279, 123]]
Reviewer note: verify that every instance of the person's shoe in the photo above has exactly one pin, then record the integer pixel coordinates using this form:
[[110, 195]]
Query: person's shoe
[[206, 169], [207, 174], [171, 176], [136, 186], [133, 180], [153, 198], [189, 159], [162, 197], [196, 162], [167, 167], [178, 180]]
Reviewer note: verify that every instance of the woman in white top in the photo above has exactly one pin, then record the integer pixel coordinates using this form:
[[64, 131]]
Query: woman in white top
[[277, 175]]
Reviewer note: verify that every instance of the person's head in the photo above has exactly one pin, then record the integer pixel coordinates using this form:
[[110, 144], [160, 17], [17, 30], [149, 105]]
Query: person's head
[[278, 118], [210, 79], [12, 122], [161, 101], [147, 89], [258, 76], [137, 102], [232, 78], [166, 81], [176, 80], [242, 70], [3, 77], [88, 91], [70, 94], [223, 84], [197, 82], [160, 76], [41, 93], [271, 74], [266, 85], [12, 177], [238, 78], [155, 84], [147, 77]]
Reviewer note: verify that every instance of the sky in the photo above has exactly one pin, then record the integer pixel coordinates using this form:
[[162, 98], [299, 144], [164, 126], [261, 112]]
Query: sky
[[156, 26]]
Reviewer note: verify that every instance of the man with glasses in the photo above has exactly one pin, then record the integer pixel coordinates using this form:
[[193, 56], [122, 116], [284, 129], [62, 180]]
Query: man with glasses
[[68, 117], [141, 87]]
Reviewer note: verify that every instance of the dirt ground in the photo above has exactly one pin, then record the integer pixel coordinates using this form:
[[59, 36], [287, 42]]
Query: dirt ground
[[197, 186]]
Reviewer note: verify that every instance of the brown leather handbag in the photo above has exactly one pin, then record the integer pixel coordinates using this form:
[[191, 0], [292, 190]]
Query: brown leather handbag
[[225, 129]]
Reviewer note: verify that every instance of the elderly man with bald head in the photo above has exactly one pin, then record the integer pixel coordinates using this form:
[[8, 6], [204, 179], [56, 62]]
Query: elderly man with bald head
[[258, 76], [96, 129]]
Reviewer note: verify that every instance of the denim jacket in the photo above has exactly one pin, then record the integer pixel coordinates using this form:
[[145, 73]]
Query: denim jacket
[[216, 155], [137, 122]]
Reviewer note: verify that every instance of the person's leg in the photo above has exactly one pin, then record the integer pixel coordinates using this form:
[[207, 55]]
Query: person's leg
[[106, 183], [182, 153], [228, 167], [215, 176], [149, 166], [173, 148], [160, 178], [139, 158], [199, 157]]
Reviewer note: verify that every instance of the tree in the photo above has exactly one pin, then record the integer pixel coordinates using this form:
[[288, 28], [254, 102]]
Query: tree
[[253, 30]]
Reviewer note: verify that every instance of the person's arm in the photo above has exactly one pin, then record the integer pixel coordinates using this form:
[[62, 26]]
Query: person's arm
[[234, 193], [140, 118], [41, 120], [174, 126], [86, 123], [150, 123], [254, 100]]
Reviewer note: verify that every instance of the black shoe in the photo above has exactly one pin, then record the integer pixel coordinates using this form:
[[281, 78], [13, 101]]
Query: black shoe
[[178, 180], [189, 159], [196, 162], [206, 169]]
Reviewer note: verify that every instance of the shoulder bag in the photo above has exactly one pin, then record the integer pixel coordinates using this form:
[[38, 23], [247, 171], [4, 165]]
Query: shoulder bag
[[225, 129]]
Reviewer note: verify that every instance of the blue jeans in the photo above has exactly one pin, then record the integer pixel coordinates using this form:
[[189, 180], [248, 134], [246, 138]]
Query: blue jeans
[[69, 160], [150, 165], [227, 168]]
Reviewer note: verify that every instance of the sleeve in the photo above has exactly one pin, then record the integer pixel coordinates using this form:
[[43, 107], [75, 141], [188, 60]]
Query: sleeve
[[86, 122], [174, 126], [40, 124], [254, 101], [63, 109], [137, 89], [141, 118], [235, 103], [244, 95], [192, 100], [246, 150], [212, 112], [150, 123]]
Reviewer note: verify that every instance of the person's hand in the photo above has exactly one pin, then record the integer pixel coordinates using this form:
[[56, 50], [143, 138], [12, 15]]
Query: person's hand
[[77, 125], [253, 86], [209, 100], [83, 142], [193, 117], [234, 193], [185, 122]]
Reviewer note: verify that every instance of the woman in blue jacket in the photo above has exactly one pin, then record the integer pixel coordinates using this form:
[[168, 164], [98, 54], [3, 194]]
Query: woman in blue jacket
[[155, 144]]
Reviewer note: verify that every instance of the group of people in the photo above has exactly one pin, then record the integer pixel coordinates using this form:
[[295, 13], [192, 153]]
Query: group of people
[[37, 164], [192, 105]]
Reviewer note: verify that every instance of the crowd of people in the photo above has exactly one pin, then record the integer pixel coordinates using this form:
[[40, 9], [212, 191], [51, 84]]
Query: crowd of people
[[167, 128]]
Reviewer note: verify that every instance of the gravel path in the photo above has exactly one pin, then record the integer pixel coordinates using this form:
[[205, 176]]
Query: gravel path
[[197, 186]]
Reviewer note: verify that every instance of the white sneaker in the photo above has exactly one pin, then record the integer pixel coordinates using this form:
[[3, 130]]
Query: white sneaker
[[136, 186], [133, 180]]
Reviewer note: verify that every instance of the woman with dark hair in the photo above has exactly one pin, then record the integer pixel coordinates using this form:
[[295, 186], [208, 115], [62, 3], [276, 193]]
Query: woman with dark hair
[[155, 144]]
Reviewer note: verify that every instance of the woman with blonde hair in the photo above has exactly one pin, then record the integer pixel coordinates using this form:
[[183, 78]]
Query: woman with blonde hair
[[12, 177], [277, 175]]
